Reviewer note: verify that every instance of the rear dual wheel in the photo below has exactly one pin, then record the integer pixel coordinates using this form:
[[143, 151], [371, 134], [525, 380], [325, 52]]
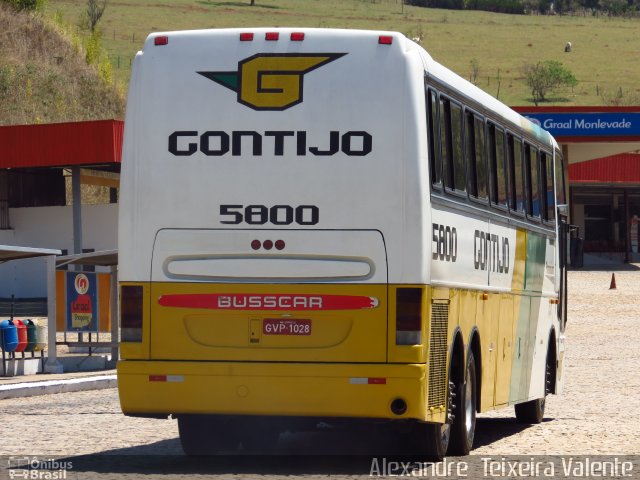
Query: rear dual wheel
[[206, 435], [463, 428], [455, 437]]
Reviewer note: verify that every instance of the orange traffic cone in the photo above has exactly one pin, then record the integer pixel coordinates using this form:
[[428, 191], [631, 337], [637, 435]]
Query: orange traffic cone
[[613, 282]]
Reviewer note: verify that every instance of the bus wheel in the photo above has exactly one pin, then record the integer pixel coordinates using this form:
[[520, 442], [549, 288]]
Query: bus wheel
[[464, 424], [260, 436], [205, 435], [430, 439], [533, 410]]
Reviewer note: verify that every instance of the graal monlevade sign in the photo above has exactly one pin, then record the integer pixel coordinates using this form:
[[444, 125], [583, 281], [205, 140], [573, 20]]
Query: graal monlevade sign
[[588, 124]]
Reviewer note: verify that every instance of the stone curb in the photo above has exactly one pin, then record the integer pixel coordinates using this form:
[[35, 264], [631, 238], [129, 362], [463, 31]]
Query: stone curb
[[31, 389]]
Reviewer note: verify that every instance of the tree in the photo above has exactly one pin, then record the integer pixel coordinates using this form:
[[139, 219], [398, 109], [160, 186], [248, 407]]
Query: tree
[[544, 77], [94, 12], [32, 5]]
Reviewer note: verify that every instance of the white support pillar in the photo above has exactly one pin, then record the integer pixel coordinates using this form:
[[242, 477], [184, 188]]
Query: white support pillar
[[77, 211], [77, 221], [52, 365]]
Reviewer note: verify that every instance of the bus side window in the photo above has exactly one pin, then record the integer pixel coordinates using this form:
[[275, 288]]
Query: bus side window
[[497, 164], [481, 157], [548, 191], [514, 168], [533, 186], [560, 193], [435, 161], [457, 148], [445, 142], [472, 175]]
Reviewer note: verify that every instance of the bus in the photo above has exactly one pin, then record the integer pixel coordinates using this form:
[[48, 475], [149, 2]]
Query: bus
[[321, 225]]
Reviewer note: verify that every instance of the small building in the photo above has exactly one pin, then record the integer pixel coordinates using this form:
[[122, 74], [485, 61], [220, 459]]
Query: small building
[[58, 189]]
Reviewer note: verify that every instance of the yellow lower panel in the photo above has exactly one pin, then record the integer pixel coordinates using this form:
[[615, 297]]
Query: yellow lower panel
[[329, 390]]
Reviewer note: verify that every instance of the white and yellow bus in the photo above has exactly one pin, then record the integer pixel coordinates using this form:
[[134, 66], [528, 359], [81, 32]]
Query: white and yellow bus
[[328, 224]]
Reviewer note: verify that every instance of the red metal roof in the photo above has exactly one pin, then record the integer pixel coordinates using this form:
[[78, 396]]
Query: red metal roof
[[61, 144], [624, 168]]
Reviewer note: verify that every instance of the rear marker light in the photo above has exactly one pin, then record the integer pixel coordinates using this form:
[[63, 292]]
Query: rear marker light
[[161, 40], [166, 378], [256, 244], [280, 245], [268, 244], [272, 36], [385, 40], [246, 37], [367, 381], [297, 37]]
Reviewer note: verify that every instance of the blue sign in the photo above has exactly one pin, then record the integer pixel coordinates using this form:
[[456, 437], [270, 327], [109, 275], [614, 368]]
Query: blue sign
[[577, 124], [82, 302]]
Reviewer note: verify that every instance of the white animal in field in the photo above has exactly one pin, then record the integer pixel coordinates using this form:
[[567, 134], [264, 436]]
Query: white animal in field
[[568, 47]]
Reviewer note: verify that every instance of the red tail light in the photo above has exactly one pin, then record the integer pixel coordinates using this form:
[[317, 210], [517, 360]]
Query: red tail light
[[246, 37], [385, 40], [297, 36], [131, 310], [272, 36], [162, 40], [408, 316]]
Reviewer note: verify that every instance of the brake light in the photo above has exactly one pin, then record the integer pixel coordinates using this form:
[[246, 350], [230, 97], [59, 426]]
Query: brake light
[[131, 310], [272, 36], [162, 40], [385, 39], [246, 37], [408, 316]]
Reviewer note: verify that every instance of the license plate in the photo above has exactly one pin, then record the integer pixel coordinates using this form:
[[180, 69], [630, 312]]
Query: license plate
[[282, 326]]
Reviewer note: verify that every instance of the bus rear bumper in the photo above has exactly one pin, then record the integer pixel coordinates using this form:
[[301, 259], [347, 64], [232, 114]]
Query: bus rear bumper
[[149, 388]]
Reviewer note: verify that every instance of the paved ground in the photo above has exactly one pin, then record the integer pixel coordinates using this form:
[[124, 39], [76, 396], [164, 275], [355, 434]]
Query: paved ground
[[598, 413]]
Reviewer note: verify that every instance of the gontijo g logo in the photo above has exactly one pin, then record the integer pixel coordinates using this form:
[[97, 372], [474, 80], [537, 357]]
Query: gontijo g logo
[[271, 81]]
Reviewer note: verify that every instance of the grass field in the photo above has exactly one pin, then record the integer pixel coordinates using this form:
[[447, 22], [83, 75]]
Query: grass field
[[605, 56]]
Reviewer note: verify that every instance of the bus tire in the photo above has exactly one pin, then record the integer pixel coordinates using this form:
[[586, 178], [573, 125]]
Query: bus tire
[[533, 411], [259, 436], [464, 424], [204, 435], [430, 440]]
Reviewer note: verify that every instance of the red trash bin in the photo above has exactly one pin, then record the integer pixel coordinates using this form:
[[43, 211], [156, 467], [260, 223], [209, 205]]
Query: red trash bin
[[22, 335]]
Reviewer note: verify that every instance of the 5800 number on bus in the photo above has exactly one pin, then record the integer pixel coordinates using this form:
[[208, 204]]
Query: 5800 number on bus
[[276, 215]]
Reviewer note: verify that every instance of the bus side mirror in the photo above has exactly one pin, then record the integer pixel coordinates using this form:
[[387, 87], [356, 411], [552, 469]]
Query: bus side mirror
[[563, 210]]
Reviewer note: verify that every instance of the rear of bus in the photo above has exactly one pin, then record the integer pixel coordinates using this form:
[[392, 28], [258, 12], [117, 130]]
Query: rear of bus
[[272, 245]]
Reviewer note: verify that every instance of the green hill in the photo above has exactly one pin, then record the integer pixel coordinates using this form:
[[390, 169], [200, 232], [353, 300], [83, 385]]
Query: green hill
[[604, 56], [45, 78]]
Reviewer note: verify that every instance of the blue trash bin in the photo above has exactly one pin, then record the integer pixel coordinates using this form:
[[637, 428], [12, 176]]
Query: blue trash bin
[[8, 336]]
